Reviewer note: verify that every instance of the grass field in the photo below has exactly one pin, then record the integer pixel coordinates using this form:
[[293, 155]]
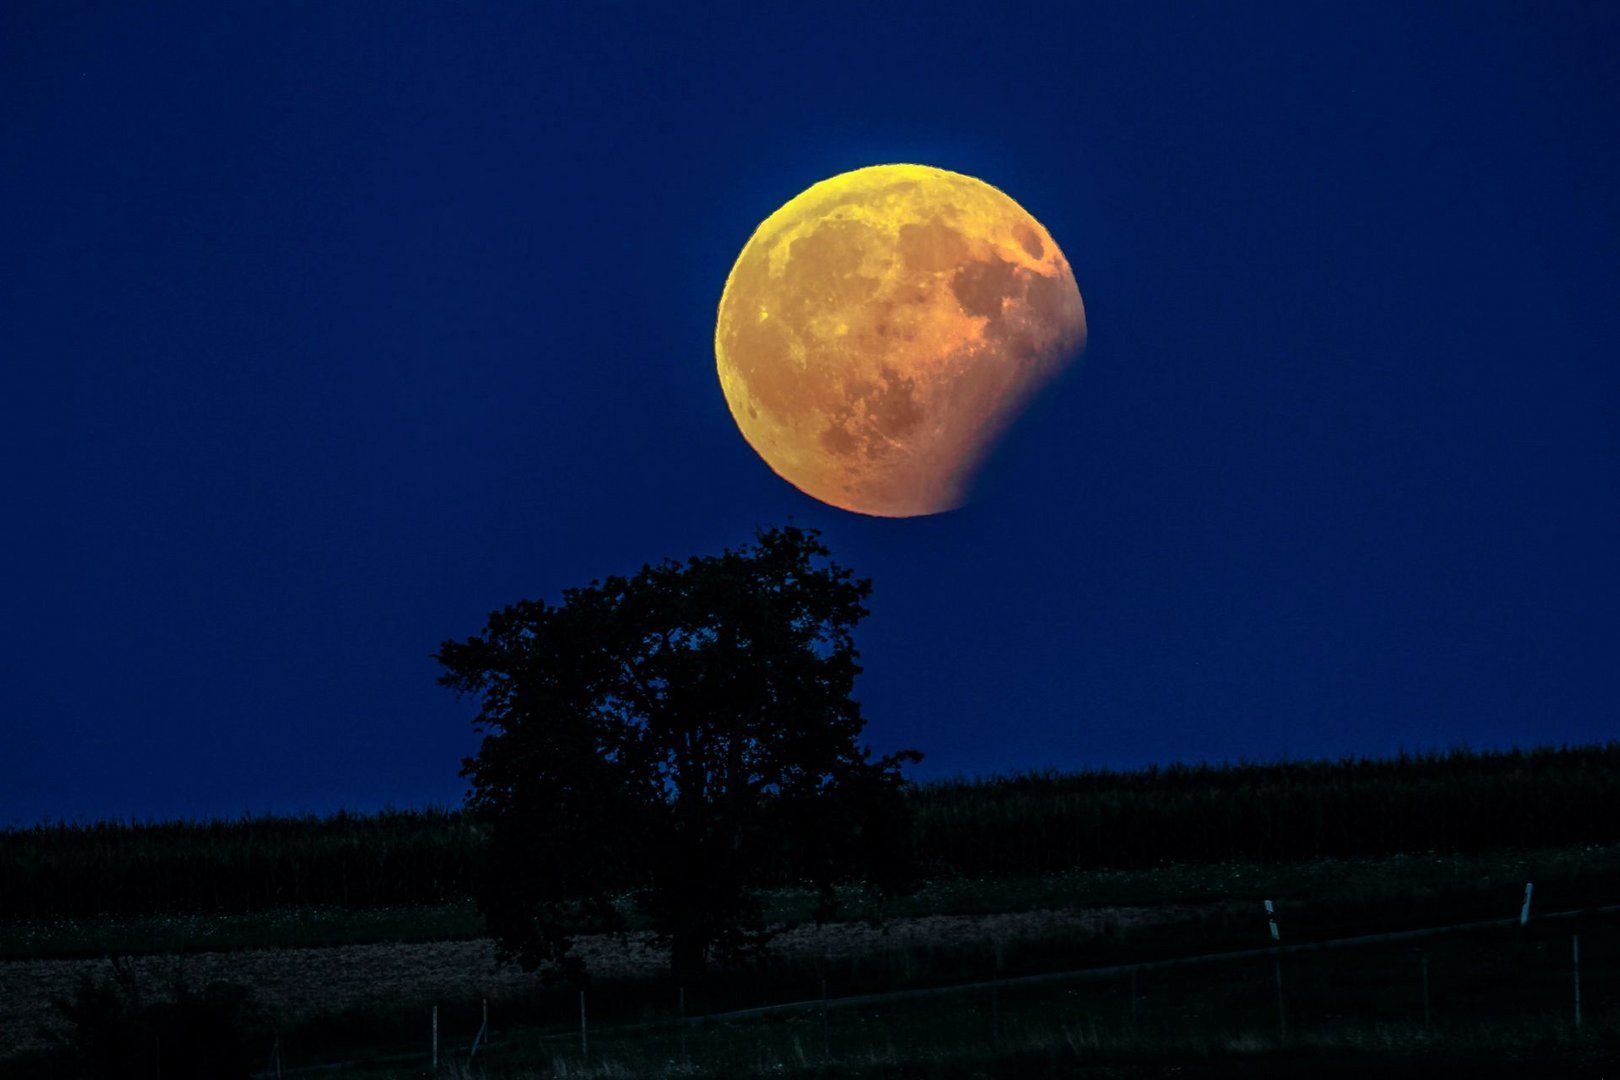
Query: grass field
[[1496, 999], [1320, 896], [337, 1002], [1499, 1002], [349, 968]]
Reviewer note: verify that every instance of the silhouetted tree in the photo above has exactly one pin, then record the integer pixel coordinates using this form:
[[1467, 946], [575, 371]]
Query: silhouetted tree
[[682, 738]]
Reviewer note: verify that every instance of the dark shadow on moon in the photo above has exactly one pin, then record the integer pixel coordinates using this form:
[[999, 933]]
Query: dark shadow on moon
[[1014, 451]]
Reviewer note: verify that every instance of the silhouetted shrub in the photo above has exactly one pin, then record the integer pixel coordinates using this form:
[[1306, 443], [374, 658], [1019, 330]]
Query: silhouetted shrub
[[114, 1033]]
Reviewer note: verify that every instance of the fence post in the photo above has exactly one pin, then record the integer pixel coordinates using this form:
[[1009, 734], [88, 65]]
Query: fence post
[[825, 958], [1282, 1015], [483, 1030], [584, 1047], [1133, 1001], [1424, 960], [995, 1000], [1577, 946], [1524, 912], [275, 1055], [435, 1036], [680, 1004], [1271, 913]]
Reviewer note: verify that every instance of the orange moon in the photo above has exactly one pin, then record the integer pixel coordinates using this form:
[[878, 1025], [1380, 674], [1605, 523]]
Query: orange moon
[[881, 329]]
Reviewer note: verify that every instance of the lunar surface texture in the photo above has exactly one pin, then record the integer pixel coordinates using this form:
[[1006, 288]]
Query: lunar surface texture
[[880, 330]]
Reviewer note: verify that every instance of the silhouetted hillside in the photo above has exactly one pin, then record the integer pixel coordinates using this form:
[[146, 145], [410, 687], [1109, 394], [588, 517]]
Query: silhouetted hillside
[[1035, 823]]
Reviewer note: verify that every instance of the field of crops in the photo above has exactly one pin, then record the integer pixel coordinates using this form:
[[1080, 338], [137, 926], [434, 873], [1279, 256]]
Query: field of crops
[[1024, 825], [1455, 802]]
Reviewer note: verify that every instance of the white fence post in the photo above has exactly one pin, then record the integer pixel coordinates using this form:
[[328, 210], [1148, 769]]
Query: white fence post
[[1271, 913], [482, 1032], [1524, 912]]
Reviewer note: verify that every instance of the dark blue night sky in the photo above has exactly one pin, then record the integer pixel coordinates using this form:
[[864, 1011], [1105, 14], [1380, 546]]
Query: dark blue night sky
[[327, 329]]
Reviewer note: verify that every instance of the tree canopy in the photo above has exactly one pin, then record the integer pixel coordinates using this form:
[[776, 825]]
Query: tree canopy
[[679, 741]]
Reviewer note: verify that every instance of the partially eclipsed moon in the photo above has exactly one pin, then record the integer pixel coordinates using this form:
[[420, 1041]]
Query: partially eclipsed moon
[[881, 329]]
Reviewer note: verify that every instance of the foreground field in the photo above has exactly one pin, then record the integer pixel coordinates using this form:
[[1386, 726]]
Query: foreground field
[[348, 931], [298, 986], [340, 1002], [1493, 1002], [1496, 1001]]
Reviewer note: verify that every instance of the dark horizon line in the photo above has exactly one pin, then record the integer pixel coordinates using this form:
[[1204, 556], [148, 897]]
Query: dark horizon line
[[1456, 751]]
